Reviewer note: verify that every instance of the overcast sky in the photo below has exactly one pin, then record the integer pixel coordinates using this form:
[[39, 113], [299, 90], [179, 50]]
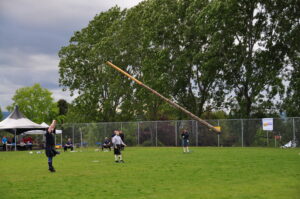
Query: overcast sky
[[31, 34]]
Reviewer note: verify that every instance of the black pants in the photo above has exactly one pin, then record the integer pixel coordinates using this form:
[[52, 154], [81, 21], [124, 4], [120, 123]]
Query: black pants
[[117, 149], [4, 147], [68, 147], [106, 147], [29, 147]]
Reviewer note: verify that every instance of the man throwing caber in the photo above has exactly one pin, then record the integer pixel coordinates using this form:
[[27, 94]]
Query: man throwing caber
[[50, 145]]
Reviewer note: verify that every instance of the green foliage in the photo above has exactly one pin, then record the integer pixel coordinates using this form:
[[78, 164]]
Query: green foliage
[[35, 103], [62, 106], [260, 138], [205, 55]]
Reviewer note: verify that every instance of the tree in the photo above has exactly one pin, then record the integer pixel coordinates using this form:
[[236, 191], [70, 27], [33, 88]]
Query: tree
[[203, 54], [35, 103], [288, 21], [62, 107], [101, 90], [1, 114], [253, 49]]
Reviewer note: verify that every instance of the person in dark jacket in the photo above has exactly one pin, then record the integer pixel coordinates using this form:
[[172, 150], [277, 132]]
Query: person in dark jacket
[[122, 136], [68, 145], [185, 141], [50, 145], [106, 144]]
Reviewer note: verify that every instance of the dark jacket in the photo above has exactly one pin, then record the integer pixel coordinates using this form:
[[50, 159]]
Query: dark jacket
[[50, 138]]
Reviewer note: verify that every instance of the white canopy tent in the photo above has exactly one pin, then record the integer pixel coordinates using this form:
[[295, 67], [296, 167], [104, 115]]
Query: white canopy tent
[[39, 132], [16, 123], [42, 132]]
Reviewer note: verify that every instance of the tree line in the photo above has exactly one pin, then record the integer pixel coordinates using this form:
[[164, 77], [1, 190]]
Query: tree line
[[241, 57], [218, 59]]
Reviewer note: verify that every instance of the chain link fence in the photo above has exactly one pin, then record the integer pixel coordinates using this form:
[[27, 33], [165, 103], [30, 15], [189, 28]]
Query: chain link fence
[[234, 132]]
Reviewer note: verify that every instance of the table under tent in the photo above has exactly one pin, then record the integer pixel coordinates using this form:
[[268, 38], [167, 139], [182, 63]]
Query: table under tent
[[16, 123]]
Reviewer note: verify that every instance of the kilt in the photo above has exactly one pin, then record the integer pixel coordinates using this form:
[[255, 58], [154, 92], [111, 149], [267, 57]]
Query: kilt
[[185, 143], [50, 151], [117, 149]]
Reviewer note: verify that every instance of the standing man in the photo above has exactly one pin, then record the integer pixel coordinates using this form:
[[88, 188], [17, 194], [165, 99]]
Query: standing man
[[4, 142], [50, 145], [117, 142], [185, 141], [122, 136]]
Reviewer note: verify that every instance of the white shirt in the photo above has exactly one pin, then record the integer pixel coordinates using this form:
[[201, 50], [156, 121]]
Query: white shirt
[[117, 140]]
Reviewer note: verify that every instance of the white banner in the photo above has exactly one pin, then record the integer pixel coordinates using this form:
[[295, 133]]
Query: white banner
[[267, 124]]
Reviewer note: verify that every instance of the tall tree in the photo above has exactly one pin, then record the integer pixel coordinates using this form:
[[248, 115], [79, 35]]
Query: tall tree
[[35, 103], [253, 51], [82, 68], [1, 114], [288, 24], [62, 107]]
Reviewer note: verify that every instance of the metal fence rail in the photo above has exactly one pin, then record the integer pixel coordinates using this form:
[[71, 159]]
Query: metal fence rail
[[235, 132]]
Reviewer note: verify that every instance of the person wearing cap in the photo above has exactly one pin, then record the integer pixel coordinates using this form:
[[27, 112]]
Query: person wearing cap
[[50, 145]]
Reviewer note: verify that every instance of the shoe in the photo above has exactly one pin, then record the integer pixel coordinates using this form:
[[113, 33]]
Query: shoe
[[116, 161], [122, 161], [52, 169]]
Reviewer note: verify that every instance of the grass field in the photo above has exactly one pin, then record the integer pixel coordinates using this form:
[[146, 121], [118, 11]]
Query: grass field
[[214, 173]]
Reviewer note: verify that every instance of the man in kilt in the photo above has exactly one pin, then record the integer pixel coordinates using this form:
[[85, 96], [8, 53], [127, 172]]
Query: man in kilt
[[50, 145], [117, 143]]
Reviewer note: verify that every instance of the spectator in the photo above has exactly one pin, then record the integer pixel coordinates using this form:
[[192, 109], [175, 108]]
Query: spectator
[[185, 141], [106, 144], [68, 145], [4, 142], [122, 136]]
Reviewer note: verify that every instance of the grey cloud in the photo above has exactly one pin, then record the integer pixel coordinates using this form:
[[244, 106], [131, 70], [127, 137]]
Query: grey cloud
[[31, 34], [57, 12]]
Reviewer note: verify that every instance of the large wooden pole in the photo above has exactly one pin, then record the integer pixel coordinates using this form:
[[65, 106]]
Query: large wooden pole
[[164, 98]]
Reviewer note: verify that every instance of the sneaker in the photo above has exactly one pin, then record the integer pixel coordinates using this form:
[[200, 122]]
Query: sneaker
[[116, 161]]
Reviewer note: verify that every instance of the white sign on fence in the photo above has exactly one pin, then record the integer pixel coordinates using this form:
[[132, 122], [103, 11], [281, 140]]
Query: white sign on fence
[[267, 124]]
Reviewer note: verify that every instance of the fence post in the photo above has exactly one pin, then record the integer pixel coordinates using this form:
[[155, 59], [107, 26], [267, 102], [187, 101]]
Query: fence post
[[73, 134], [197, 133], [294, 133], [138, 135], [175, 133], [156, 133], [218, 134], [242, 126], [80, 137]]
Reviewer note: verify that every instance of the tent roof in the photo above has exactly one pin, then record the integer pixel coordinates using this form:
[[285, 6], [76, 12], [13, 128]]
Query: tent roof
[[36, 132], [17, 121]]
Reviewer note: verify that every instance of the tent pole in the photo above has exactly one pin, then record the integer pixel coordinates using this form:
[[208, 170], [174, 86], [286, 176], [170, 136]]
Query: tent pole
[[15, 139]]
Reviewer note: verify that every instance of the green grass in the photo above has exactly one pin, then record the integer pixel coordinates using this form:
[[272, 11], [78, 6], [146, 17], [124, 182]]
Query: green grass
[[205, 173]]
